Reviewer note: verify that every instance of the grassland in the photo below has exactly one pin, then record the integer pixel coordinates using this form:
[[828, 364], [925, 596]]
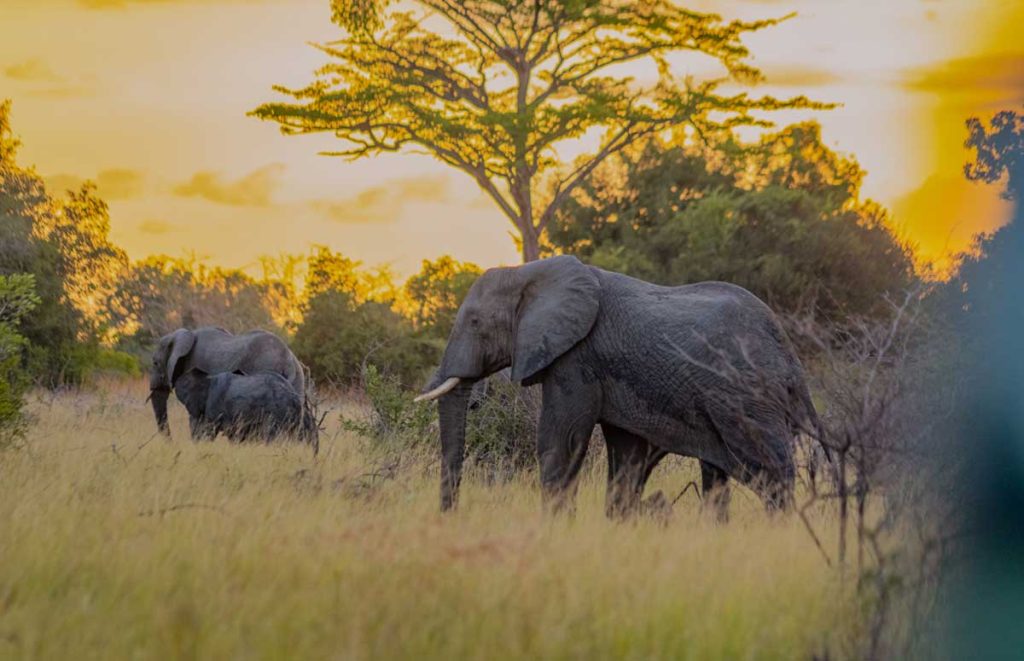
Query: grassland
[[116, 543]]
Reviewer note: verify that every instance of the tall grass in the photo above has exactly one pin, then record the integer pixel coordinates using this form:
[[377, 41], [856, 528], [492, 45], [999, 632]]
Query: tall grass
[[116, 543]]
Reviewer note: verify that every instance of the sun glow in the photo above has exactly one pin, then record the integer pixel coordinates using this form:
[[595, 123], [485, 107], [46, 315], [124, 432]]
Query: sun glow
[[149, 100]]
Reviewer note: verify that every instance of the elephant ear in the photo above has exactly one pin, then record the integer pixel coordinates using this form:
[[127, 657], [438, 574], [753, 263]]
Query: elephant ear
[[182, 341], [558, 308]]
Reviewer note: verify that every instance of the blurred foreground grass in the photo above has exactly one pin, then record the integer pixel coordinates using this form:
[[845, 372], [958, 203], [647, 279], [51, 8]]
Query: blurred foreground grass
[[115, 543]]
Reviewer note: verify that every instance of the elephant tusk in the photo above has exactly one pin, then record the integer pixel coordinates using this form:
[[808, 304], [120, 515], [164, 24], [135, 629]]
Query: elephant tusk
[[438, 391]]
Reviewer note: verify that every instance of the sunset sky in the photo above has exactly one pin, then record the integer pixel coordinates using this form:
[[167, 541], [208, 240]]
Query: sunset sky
[[149, 98]]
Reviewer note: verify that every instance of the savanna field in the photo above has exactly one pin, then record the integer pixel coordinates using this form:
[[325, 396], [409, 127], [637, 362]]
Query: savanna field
[[117, 543]]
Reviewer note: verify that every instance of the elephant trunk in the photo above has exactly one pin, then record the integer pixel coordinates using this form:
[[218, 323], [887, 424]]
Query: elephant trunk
[[452, 414], [158, 397]]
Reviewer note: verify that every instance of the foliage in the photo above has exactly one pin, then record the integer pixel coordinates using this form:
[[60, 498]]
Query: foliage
[[63, 243], [350, 322], [968, 297], [437, 291], [501, 424], [491, 88], [328, 270], [999, 152], [781, 217], [339, 336], [395, 420], [501, 427], [989, 490], [17, 299], [161, 294]]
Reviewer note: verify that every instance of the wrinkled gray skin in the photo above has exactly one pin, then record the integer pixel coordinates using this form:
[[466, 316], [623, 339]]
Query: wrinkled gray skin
[[655, 366], [260, 406], [214, 350]]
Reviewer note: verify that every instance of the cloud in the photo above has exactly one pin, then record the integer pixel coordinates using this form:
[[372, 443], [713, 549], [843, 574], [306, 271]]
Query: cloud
[[60, 183], [156, 227], [799, 76], [42, 81], [385, 203], [113, 184], [997, 73], [254, 189], [33, 70], [124, 4], [120, 184]]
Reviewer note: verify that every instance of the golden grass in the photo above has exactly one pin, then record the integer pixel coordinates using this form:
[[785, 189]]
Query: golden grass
[[115, 543]]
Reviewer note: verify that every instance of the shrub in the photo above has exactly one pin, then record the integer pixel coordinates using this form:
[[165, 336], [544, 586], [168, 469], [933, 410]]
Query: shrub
[[340, 336], [500, 426], [395, 420], [17, 299]]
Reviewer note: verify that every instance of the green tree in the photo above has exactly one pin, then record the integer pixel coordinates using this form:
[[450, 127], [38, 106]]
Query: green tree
[[90, 264], [437, 291], [55, 241], [17, 299], [328, 270], [160, 294], [339, 337], [781, 217], [492, 87], [969, 297], [998, 152], [350, 321]]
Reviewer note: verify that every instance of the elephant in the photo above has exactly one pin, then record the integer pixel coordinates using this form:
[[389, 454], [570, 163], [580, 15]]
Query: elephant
[[701, 370], [242, 406], [215, 350]]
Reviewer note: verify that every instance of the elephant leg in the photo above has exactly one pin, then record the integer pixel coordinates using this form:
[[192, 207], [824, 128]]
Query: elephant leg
[[631, 459], [567, 421], [714, 486]]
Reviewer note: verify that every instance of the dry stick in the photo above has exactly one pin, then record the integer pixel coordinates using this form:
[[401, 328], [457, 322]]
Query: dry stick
[[810, 530], [686, 488]]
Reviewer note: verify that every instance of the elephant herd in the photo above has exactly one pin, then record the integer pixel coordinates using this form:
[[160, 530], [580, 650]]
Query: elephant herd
[[246, 386], [701, 370]]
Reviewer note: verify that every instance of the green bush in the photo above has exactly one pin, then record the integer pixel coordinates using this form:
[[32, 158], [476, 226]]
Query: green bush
[[339, 337], [112, 361], [395, 421], [500, 426], [17, 299]]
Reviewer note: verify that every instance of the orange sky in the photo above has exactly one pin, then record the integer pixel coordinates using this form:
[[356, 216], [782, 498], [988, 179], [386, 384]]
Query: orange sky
[[148, 98]]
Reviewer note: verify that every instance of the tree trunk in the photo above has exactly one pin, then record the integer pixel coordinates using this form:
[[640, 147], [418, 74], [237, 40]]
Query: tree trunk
[[531, 244]]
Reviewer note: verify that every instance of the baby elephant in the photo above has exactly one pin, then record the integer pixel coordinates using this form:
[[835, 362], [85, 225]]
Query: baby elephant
[[243, 406]]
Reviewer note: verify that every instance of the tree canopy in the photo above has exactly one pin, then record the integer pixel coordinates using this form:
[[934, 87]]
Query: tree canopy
[[491, 87], [975, 296], [781, 217], [63, 243], [998, 152]]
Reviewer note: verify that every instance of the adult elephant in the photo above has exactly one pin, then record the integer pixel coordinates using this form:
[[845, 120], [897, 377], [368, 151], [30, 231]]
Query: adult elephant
[[701, 370], [214, 351]]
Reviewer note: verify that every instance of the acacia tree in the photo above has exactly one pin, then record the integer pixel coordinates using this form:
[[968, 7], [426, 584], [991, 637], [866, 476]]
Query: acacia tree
[[490, 87]]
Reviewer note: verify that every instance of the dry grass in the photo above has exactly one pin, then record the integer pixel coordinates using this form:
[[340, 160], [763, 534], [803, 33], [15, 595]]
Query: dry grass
[[115, 543]]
